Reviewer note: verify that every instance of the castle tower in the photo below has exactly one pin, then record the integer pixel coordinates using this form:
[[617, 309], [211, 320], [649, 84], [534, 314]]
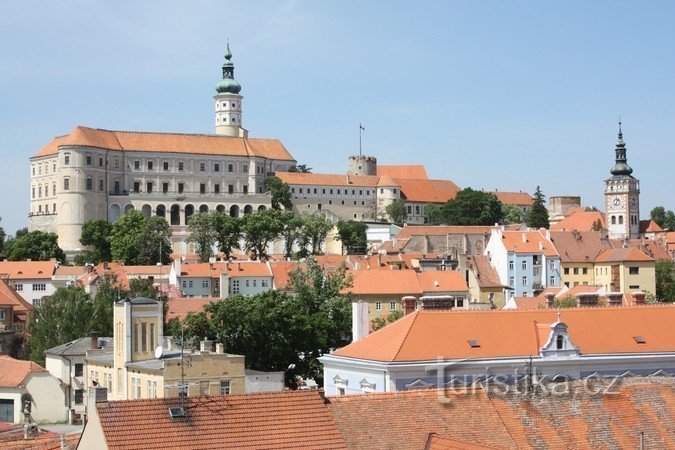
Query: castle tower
[[622, 197], [228, 110], [362, 165]]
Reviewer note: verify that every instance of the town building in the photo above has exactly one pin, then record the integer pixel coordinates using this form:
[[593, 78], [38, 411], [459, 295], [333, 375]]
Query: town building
[[485, 287], [32, 280], [433, 349], [526, 261], [221, 279], [101, 174], [626, 270], [578, 250], [622, 197], [29, 393], [15, 313]]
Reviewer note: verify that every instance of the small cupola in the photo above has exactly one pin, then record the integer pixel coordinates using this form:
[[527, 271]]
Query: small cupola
[[559, 344]]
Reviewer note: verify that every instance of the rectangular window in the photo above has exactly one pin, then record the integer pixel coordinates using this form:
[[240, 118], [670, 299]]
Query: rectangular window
[[205, 283], [79, 396], [184, 283], [512, 280], [300, 190], [18, 287], [66, 159], [148, 187], [585, 270], [100, 184], [235, 286], [244, 168], [225, 387], [378, 306], [524, 264], [216, 188], [263, 283], [137, 165], [79, 369], [117, 163], [524, 281], [137, 390], [230, 188], [576, 271], [150, 164], [137, 187], [202, 188], [90, 184], [89, 160], [135, 337], [510, 265], [202, 167], [248, 283], [66, 184], [190, 283], [100, 162], [180, 165], [392, 305], [152, 337], [165, 165], [551, 281], [633, 270], [165, 188], [40, 287], [144, 337], [230, 167], [246, 189], [566, 270], [255, 283], [180, 188], [216, 167]]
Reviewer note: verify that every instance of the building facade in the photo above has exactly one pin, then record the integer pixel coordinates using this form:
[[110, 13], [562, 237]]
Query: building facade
[[101, 174]]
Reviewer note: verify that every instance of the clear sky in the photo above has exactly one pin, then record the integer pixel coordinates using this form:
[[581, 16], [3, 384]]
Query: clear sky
[[490, 94]]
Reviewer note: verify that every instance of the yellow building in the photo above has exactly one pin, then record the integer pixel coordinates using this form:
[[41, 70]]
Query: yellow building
[[578, 250], [485, 287], [139, 367], [625, 270]]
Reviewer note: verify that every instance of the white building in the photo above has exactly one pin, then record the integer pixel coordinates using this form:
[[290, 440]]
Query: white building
[[622, 197], [32, 280], [100, 174]]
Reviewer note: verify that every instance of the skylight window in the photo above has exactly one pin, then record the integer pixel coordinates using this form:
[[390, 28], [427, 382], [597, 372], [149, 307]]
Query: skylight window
[[639, 339], [474, 343]]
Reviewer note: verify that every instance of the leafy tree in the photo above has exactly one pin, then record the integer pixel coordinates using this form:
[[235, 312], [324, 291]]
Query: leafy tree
[[300, 168], [512, 214], [396, 211], [471, 207], [664, 219], [35, 245], [315, 228], [228, 232], [537, 215], [203, 234], [155, 238], [353, 237], [379, 322], [142, 287], [665, 280], [291, 232], [3, 236], [597, 225], [281, 193], [566, 302], [433, 214], [97, 234], [275, 329], [260, 229], [136, 239]]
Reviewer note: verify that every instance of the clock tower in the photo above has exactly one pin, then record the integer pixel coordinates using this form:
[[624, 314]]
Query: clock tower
[[622, 197]]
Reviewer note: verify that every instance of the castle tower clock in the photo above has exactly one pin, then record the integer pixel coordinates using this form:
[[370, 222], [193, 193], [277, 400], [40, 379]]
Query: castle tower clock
[[622, 197]]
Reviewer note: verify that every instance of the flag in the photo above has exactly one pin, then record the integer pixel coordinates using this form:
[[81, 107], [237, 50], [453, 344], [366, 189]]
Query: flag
[[361, 127]]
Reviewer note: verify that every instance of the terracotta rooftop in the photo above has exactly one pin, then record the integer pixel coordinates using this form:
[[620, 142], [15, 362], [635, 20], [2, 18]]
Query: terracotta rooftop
[[431, 191], [426, 335], [318, 179], [528, 242], [486, 275], [280, 420], [441, 281], [180, 307], [14, 371], [417, 172], [26, 270], [205, 144], [623, 254], [513, 198], [579, 246], [649, 226], [385, 282], [9, 297], [480, 419], [440, 230], [580, 221]]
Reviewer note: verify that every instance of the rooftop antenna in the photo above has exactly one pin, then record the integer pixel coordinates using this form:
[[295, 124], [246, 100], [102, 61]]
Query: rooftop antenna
[[361, 129]]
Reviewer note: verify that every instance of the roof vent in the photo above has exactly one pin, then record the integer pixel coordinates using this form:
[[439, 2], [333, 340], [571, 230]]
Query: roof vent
[[639, 339], [436, 283], [177, 412], [474, 343]]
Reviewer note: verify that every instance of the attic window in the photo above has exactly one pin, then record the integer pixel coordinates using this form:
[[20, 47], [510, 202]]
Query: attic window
[[177, 412], [474, 343], [639, 339]]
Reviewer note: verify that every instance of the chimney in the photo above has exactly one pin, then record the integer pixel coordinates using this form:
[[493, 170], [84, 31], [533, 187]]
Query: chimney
[[408, 305], [206, 346], [105, 265], [524, 237], [639, 298], [360, 325], [549, 299], [220, 348], [94, 340], [98, 394]]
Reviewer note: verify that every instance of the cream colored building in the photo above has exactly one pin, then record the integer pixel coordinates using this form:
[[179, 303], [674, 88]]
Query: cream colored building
[[101, 174], [626, 270], [136, 369]]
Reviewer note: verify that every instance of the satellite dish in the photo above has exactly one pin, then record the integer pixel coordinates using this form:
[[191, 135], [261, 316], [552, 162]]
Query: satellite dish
[[159, 351]]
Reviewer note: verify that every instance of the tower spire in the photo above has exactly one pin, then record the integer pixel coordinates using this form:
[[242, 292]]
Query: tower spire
[[621, 166]]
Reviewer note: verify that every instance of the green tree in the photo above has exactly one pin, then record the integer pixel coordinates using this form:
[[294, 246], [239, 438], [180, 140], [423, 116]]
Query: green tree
[[281, 193], [259, 230], [665, 280], [537, 215], [471, 207], [597, 225], [658, 215], [566, 302], [125, 237], [3, 237], [203, 234], [96, 233], [353, 237], [396, 211], [512, 214], [315, 228], [300, 168], [433, 214], [35, 245], [155, 242], [379, 322], [228, 232], [291, 232]]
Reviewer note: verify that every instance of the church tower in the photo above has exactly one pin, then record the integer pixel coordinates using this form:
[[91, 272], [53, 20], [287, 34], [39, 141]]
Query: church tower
[[228, 102], [622, 197]]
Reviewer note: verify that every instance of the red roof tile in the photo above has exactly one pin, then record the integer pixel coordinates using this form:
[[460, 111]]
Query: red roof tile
[[623, 254], [25, 270], [427, 191], [528, 242], [180, 307], [14, 371], [580, 221], [417, 172], [513, 198]]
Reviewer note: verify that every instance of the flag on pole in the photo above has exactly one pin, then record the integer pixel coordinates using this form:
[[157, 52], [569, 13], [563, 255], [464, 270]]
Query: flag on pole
[[361, 127]]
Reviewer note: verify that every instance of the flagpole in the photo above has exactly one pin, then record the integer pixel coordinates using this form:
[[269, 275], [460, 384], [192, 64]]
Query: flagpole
[[360, 131]]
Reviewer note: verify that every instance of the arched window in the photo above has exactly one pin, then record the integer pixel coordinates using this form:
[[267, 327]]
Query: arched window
[[559, 342], [613, 220], [620, 220]]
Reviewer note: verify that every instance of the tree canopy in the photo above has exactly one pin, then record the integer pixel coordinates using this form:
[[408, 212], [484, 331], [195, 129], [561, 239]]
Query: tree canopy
[[280, 192], [537, 215], [470, 207], [228, 232], [665, 280], [202, 232], [512, 214], [396, 211], [259, 230], [315, 228], [34, 245], [95, 233], [137, 240], [353, 237], [664, 219]]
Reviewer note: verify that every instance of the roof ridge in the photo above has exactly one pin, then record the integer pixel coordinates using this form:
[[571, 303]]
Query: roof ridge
[[405, 336]]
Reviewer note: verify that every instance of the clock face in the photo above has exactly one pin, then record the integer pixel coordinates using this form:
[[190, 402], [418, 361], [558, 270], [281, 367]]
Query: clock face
[[616, 201]]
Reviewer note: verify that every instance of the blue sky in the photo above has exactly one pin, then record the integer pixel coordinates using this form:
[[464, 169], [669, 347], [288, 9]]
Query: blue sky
[[489, 94]]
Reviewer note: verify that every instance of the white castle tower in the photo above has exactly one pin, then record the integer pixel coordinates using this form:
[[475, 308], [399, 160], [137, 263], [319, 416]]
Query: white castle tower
[[228, 102]]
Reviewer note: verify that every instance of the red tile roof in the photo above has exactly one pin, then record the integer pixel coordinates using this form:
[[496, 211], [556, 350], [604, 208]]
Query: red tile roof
[[580, 221], [318, 179], [486, 275], [440, 230], [528, 242], [404, 171], [441, 281], [180, 307], [385, 282], [513, 198], [9, 297], [427, 191], [13, 372], [288, 420], [426, 335], [649, 226], [579, 246], [205, 144], [623, 255], [26, 270]]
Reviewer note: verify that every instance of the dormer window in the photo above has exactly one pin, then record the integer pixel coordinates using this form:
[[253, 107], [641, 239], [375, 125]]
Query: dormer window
[[560, 342], [639, 340]]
